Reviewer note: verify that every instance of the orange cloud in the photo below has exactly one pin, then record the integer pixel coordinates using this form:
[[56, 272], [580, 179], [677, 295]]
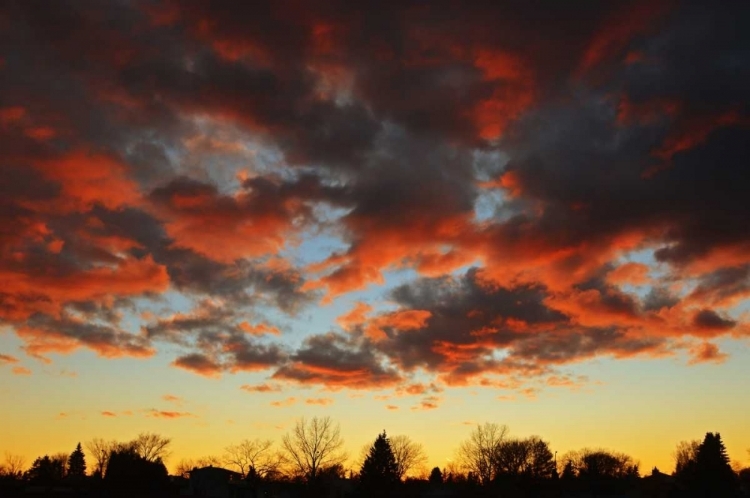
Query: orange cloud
[[355, 317], [391, 407], [154, 413], [397, 320], [428, 403], [259, 329], [629, 273], [261, 388], [319, 401], [707, 353], [199, 364], [284, 402], [127, 277], [355, 378], [4, 358], [87, 179], [108, 414], [172, 398], [21, 371], [260, 219]]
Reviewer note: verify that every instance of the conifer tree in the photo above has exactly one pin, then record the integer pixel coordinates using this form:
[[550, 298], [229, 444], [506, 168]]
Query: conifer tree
[[379, 471], [77, 464], [436, 477], [713, 473]]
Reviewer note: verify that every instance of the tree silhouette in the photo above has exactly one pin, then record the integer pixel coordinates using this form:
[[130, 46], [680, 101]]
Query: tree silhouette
[[478, 453], [128, 473], [379, 472], [100, 451], [151, 447], [530, 458], [313, 446], [46, 471], [77, 464], [595, 464], [253, 455], [713, 474], [436, 477], [12, 466], [685, 455], [569, 471], [408, 454]]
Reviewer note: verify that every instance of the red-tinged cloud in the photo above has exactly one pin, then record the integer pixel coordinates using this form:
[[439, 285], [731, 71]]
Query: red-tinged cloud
[[154, 413], [504, 160], [284, 402], [319, 401], [257, 220], [417, 389], [623, 25], [338, 362], [428, 403], [5, 358], [261, 388], [355, 317], [21, 371], [172, 398], [108, 414], [629, 273], [707, 353], [199, 364], [259, 329], [573, 383]]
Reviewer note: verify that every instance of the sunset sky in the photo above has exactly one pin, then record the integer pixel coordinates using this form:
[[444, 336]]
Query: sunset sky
[[417, 216]]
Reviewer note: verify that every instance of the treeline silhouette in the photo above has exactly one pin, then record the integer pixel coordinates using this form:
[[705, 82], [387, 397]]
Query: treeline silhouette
[[310, 462]]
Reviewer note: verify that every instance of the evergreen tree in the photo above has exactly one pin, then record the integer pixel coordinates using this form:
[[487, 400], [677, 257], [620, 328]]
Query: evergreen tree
[[713, 474], [45, 471], [568, 472], [436, 477], [77, 464], [379, 472]]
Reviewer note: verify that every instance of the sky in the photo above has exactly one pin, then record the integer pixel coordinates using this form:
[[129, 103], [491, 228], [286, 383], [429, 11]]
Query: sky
[[219, 217]]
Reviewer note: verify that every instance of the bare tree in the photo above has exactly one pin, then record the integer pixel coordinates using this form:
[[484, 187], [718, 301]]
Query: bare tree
[[13, 465], [477, 454], [60, 460], [151, 446], [100, 450], [685, 455], [252, 455], [314, 446], [409, 455]]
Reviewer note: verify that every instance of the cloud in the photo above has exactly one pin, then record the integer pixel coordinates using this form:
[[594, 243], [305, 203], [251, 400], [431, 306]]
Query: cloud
[[428, 403], [154, 413], [284, 402], [261, 388], [198, 363], [21, 371], [710, 320], [172, 398], [520, 168], [337, 361], [707, 353], [108, 414], [319, 401], [5, 358]]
